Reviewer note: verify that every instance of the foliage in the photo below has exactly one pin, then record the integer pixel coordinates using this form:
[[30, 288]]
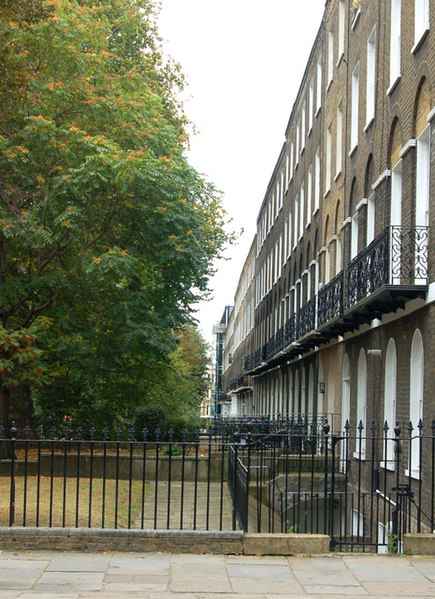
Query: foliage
[[107, 235]]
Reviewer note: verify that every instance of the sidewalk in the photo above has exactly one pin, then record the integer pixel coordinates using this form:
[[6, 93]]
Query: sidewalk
[[40, 575]]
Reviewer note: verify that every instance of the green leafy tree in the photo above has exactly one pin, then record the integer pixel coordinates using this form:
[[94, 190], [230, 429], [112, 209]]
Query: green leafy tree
[[107, 235]]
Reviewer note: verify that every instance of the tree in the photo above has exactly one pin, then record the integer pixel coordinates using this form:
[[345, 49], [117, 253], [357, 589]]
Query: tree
[[106, 233]]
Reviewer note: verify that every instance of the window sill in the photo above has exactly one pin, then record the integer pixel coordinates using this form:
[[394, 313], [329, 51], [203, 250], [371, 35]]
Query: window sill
[[414, 474], [389, 465], [329, 84], [315, 211], [418, 44], [393, 85], [340, 58], [318, 111], [353, 150], [356, 19], [369, 124], [360, 456], [337, 176], [326, 194]]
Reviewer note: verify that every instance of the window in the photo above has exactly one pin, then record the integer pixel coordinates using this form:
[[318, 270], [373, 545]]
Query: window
[[298, 142], [354, 236], [303, 127], [330, 56], [301, 211], [311, 105], [319, 85], [317, 181], [341, 13], [361, 408], [354, 109], [421, 19], [328, 159], [292, 160], [390, 403], [423, 171], [287, 170], [395, 39], [289, 237], [339, 141], [309, 194], [370, 218], [295, 216], [371, 77], [396, 195], [416, 400]]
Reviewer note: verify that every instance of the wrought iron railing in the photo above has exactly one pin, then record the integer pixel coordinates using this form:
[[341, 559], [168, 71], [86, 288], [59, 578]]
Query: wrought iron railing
[[398, 256], [330, 300], [290, 330], [279, 339], [307, 318]]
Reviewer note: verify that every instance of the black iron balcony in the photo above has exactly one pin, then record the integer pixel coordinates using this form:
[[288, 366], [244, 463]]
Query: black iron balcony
[[394, 265], [248, 362], [270, 348], [279, 339], [330, 301], [290, 330], [307, 318]]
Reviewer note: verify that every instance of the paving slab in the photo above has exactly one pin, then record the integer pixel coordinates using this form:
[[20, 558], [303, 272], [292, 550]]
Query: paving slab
[[68, 562], [382, 569], [425, 565]]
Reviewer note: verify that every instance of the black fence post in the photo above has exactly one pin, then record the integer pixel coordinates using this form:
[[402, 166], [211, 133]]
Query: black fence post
[[12, 492]]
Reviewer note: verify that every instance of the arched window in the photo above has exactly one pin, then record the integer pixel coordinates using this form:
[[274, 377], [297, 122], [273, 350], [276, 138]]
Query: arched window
[[290, 393], [345, 392], [361, 408], [302, 408], [310, 406], [390, 402], [345, 408], [416, 397], [320, 391]]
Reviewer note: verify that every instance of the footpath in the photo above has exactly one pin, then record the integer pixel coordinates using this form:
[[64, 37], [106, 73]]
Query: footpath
[[55, 575]]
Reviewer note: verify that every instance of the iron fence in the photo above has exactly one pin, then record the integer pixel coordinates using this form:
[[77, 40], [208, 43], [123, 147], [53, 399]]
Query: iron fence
[[364, 487]]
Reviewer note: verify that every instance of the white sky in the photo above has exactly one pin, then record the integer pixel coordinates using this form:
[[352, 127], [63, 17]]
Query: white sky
[[243, 61]]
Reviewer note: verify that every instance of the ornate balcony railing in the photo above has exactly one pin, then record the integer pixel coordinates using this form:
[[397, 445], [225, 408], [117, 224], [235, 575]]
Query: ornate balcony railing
[[279, 339], [270, 348], [330, 300], [248, 362], [290, 330], [307, 318], [393, 266], [398, 256]]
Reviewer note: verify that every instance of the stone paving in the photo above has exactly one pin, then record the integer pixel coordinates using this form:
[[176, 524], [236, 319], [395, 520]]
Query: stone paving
[[51, 575]]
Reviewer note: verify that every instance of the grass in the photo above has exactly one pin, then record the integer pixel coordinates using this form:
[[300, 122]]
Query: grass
[[56, 501]]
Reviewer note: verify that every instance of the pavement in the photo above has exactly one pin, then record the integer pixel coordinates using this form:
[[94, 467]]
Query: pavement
[[55, 575]]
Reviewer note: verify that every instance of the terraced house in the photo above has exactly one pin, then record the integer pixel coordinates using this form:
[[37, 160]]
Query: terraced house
[[343, 313]]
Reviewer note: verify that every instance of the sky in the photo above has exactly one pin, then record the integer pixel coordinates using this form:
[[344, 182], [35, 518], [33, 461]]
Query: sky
[[243, 61]]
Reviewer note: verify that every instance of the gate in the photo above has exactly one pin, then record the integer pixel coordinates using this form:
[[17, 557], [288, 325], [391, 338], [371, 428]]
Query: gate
[[364, 489]]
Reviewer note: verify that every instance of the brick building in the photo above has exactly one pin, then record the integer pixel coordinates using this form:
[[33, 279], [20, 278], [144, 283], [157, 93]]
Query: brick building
[[344, 279]]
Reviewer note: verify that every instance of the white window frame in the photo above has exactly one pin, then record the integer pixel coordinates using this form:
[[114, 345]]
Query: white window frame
[[328, 155], [395, 43], [310, 105], [317, 181], [371, 78], [354, 127], [339, 141], [421, 21], [341, 16], [319, 85], [309, 194], [330, 57]]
